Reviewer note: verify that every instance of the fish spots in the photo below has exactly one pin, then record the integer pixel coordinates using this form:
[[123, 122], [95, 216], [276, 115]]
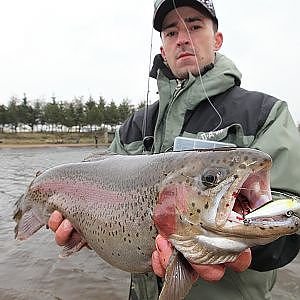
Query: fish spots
[[206, 206], [198, 210]]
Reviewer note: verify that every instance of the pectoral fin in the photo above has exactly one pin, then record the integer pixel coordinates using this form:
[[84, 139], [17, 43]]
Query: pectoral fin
[[179, 278]]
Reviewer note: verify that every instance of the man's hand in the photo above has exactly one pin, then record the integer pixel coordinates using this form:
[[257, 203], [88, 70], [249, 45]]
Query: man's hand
[[62, 228], [161, 256]]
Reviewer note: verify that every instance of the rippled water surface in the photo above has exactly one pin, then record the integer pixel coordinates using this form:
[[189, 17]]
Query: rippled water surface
[[32, 270]]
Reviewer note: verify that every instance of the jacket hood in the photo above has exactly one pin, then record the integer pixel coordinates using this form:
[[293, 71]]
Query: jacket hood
[[222, 64]]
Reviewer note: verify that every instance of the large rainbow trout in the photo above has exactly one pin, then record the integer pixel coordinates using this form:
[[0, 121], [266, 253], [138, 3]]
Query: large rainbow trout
[[211, 205]]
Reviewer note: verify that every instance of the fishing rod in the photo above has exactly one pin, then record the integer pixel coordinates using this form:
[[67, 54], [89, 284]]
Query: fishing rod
[[147, 140]]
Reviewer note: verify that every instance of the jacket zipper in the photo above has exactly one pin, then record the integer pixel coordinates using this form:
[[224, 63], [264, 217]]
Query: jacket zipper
[[180, 85]]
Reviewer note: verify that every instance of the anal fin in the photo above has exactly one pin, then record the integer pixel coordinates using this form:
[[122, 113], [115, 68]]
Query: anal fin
[[75, 243], [179, 278]]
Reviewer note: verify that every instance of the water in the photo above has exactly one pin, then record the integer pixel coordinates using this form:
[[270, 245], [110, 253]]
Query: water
[[32, 270]]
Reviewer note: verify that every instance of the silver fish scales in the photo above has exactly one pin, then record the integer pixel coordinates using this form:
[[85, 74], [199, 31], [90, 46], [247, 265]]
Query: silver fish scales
[[118, 204]]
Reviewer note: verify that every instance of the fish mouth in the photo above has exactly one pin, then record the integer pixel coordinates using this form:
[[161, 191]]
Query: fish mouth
[[242, 201], [253, 193], [249, 203]]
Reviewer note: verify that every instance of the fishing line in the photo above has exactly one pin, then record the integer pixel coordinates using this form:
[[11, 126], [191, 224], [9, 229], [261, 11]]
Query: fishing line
[[252, 189], [273, 192], [199, 70]]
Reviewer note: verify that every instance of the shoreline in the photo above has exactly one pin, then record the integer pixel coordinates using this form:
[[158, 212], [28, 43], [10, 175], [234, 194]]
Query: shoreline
[[19, 146]]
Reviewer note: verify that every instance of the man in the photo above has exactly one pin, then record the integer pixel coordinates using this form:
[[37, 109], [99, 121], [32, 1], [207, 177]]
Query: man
[[200, 96]]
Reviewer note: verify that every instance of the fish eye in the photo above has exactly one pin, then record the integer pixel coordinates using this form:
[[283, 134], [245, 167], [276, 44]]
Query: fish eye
[[211, 178]]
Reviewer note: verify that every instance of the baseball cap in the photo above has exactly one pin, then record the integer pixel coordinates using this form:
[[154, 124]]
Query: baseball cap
[[163, 7]]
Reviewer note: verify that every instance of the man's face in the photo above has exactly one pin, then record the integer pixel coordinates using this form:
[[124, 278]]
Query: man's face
[[188, 43]]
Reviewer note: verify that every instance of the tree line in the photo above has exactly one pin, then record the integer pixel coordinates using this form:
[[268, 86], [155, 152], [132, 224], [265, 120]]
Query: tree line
[[75, 113]]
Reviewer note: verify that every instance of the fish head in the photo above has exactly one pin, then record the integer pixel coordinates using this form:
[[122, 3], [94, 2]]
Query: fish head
[[211, 194]]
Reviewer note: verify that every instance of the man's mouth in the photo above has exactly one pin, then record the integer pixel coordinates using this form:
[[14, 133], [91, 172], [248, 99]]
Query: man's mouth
[[184, 55]]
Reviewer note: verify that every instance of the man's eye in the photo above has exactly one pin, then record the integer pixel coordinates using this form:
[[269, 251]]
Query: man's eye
[[171, 34], [196, 27]]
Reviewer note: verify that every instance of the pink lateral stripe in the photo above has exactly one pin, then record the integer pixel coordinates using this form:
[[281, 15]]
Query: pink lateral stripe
[[84, 190]]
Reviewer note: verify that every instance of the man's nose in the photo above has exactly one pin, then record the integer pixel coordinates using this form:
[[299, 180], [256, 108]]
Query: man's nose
[[183, 38]]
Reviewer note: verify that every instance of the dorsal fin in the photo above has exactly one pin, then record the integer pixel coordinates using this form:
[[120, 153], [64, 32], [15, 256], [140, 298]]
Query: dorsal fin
[[98, 156]]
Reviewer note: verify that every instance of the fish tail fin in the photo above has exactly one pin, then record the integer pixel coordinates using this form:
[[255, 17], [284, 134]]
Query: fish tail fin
[[28, 222]]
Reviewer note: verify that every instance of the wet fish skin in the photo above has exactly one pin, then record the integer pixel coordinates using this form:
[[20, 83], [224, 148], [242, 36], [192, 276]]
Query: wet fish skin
[[118, 204]]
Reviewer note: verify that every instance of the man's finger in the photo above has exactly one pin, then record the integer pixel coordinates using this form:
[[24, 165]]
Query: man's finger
[[242, 263], [63, 232], [164, 249], [55, 220], [210, 272], [158, 269]]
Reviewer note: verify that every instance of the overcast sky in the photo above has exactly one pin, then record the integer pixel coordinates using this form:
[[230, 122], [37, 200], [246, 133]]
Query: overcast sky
[[73, 48]]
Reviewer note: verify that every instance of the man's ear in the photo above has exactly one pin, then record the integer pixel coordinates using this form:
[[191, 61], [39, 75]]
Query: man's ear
[[218, 41], [163, 54]]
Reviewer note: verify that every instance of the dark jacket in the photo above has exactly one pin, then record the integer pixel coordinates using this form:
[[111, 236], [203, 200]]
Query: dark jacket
[[223, 112]]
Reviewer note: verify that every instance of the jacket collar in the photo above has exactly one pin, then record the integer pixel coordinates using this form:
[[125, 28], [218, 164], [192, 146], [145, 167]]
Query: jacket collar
[[159, 64]]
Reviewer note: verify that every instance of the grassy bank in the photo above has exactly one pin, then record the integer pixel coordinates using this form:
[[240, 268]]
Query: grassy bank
[[46, 138]]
